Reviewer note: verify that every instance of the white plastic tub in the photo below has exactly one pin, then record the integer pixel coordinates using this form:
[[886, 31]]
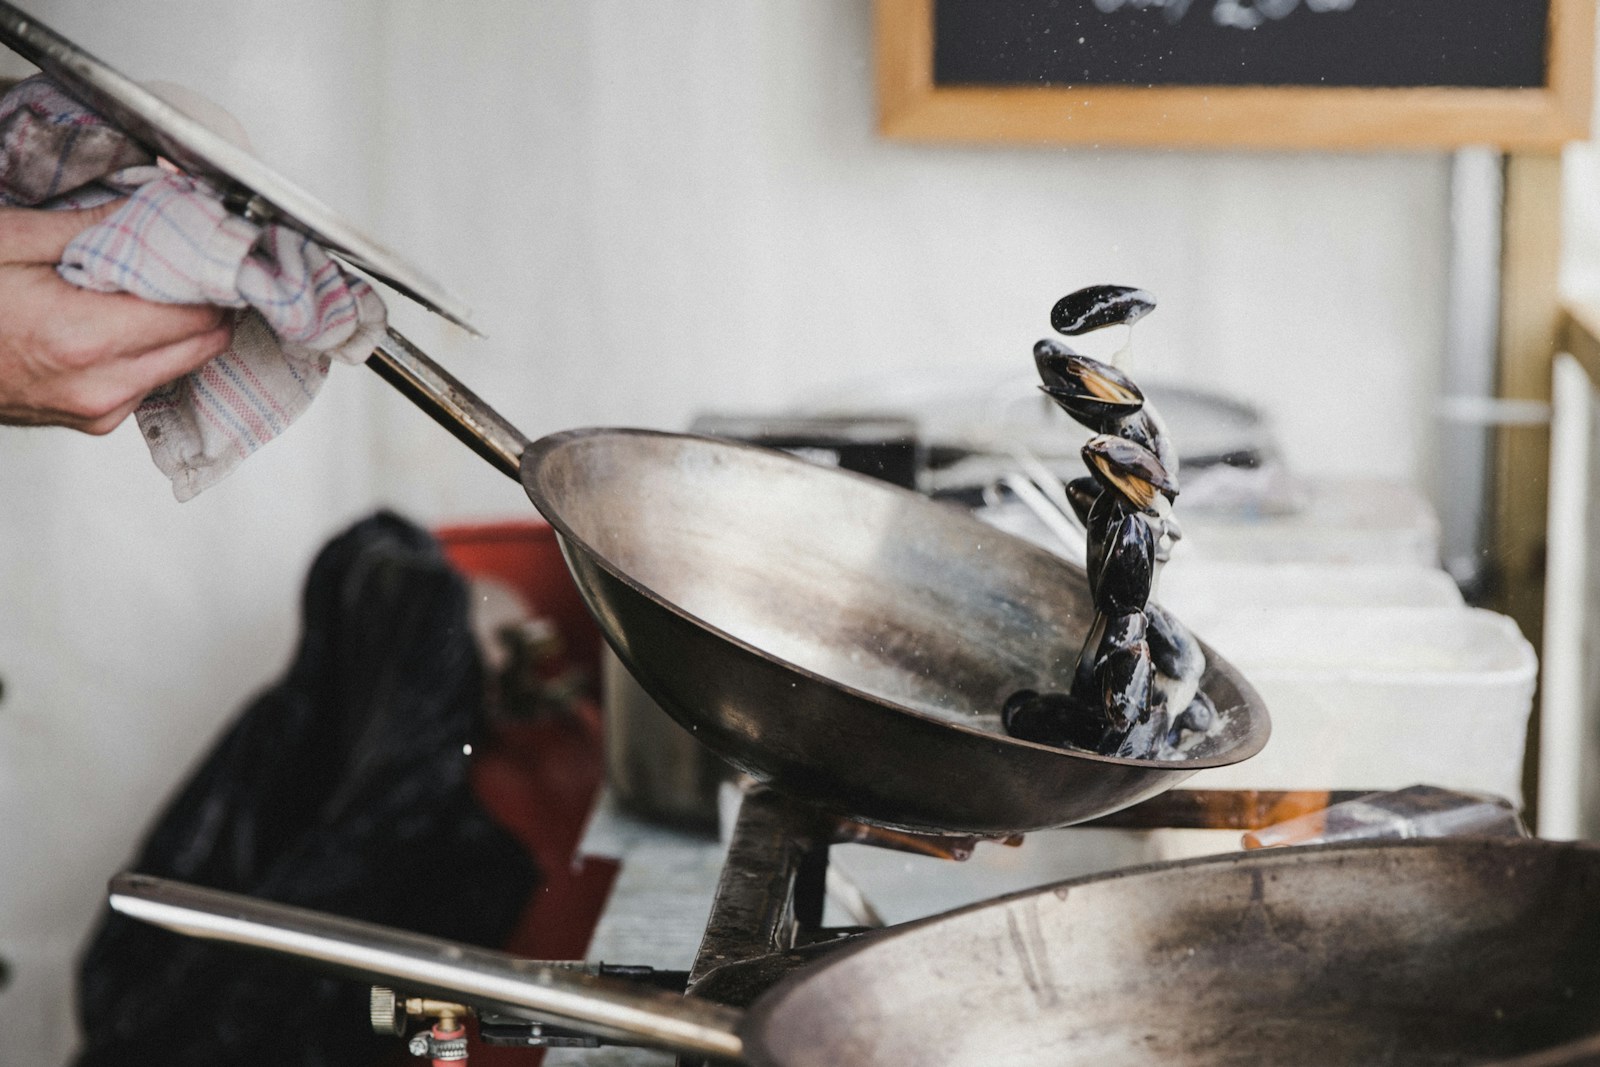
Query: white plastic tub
[[1348, 520], [1200, 587], [1381, 698]]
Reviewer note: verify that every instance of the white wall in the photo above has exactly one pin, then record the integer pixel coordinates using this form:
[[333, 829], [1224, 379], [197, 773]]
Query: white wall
[[700, 215], [656, 208]]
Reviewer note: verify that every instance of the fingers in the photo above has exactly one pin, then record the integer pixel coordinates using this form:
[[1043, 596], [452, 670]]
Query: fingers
[[79, 322], [32, 236], [117, 325], [110, 421], [100, 406], [114, 394], [96, 399], [83, 359], [138, 375]]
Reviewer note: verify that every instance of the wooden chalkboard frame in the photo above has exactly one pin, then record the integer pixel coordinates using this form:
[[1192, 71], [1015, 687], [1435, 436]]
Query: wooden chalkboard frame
[[911, 107]]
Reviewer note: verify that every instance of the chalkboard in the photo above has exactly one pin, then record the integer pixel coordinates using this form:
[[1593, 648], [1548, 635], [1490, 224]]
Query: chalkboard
[[1373, 43], [1301, 73]]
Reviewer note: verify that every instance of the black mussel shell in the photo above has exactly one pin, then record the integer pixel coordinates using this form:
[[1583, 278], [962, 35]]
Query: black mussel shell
[[1145, 428], [1094, 393], [1198, 717], [1106, 507], [1061, 367], [1106, 635], [1121, 563], [1054, 719], [1083, 684], [1054, 360], [1121, 631], [1081, 494], [1173, 649], [1098, 415], [1130, 470], [1124, 678], [1143, 740], [1099, 306], [1017, 705]]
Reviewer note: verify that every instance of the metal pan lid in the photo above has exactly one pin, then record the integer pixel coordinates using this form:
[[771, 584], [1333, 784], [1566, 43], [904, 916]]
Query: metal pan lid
[[251, 187]]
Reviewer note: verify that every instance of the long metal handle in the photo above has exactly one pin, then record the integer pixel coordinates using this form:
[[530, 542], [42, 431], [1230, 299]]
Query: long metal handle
[[454, 406], [428, 966]]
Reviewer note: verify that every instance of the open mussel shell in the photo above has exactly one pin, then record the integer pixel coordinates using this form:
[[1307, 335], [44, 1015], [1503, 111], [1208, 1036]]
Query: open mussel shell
[[1130, 470], [1053, 360], [1101, 416], [1099, 306], [1096, 394]]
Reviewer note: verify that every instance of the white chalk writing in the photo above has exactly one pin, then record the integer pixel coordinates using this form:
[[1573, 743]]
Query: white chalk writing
[[1239, 14], [1173, 9]]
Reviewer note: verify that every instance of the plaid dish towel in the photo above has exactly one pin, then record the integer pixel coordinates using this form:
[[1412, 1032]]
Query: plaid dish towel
[[173, 242]]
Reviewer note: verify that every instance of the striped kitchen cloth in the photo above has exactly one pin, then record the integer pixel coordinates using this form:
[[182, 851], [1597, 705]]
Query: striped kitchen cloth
[[174, 242]]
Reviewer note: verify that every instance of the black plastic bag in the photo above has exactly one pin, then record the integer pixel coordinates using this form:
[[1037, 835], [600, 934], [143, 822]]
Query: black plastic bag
[[344, 789]]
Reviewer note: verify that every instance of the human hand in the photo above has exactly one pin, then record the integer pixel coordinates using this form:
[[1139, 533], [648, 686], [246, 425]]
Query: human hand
[[82, 359]]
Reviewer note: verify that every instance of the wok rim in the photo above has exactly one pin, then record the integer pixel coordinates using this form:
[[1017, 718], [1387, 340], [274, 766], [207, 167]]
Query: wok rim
[[546, 447], [755, 1022]]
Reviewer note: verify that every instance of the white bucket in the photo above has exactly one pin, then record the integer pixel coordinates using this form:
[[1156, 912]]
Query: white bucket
[[1380, 698], [1348, 520], [1198, 588]]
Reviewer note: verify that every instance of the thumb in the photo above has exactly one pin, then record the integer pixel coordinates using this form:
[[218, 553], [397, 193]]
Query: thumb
[[29, 235]]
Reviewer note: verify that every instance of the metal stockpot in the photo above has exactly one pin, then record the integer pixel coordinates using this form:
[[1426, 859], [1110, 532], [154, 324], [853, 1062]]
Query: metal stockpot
[[655, 767]]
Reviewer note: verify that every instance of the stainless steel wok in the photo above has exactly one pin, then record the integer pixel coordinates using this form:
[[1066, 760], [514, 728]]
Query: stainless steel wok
[[845, 641], [1404, 954]]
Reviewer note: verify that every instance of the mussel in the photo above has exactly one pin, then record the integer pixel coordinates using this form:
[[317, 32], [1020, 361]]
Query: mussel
[[1057, 719], [1096, 394], [1177, 658], [1123, 680], [1104, 399], [1198, 718], [1146, 738], [1173, 648], [1109, 633], [1131, 471], [1135, 689], [1081, 494], [1121, 561], [1098, 306]]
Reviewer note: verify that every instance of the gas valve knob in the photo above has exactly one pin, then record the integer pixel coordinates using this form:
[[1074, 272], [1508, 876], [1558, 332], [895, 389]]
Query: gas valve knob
[[387, 1012]]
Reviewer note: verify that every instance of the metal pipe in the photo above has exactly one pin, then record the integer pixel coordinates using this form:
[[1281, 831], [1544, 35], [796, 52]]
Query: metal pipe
[[1562, 745], [1466, 418], [429, 966], [450, 403]]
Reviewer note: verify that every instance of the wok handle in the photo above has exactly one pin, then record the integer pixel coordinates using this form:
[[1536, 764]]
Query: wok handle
[[452, 405], [427, 966]]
